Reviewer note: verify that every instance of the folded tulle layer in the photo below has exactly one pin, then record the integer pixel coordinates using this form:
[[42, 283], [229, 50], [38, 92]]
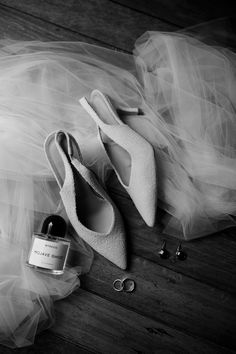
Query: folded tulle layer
[[185, 90], [27, 296], [190, 90]]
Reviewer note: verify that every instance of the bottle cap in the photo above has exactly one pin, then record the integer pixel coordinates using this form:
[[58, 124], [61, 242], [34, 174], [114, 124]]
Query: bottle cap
[[54, 225]]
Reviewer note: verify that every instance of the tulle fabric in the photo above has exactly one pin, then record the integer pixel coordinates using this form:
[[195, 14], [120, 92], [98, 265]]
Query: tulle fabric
[[190, 92], [185, 90]]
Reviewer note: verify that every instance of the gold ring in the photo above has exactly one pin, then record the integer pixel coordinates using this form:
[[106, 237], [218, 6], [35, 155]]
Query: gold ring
[[118, 285], [128, 285]]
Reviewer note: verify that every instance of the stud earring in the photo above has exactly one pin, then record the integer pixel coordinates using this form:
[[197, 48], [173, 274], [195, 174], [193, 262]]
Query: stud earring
[[180, 254], [163, 253]]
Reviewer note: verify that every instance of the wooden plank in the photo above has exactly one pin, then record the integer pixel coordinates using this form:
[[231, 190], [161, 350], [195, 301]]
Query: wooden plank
[[48, 343], [181, 12], [107, 327], [19, 26], [211, 259], [114, 24], [161, 294]]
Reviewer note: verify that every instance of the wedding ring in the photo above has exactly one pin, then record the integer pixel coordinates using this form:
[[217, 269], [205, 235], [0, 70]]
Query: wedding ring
[[118, 285], [128, 285]]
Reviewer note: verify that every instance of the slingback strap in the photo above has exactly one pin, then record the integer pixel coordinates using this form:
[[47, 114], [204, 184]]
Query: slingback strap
[[129, 111]]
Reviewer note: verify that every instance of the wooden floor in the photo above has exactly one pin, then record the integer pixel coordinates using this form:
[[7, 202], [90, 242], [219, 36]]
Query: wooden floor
[[177, 307]]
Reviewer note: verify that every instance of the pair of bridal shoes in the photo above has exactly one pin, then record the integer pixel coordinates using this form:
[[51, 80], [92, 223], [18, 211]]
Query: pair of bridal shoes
[[90, 210]]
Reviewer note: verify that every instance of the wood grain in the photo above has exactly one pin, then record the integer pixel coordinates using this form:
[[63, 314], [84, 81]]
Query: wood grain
[[162, 294], [48, 343], [114, 24], [20, 26], [109, 328], [181, 12]]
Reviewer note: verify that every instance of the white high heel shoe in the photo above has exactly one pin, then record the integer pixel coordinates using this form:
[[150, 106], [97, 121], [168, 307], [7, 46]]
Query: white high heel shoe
[[90, 210], [131, 156]]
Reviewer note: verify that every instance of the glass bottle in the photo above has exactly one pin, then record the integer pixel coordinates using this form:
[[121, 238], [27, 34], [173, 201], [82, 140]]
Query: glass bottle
[[49, 249]]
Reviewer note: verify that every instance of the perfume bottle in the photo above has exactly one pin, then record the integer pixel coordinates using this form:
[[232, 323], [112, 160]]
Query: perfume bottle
[[49, 249]]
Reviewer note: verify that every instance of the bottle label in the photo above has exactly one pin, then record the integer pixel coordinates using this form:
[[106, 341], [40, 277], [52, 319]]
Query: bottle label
[[48, 254]]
